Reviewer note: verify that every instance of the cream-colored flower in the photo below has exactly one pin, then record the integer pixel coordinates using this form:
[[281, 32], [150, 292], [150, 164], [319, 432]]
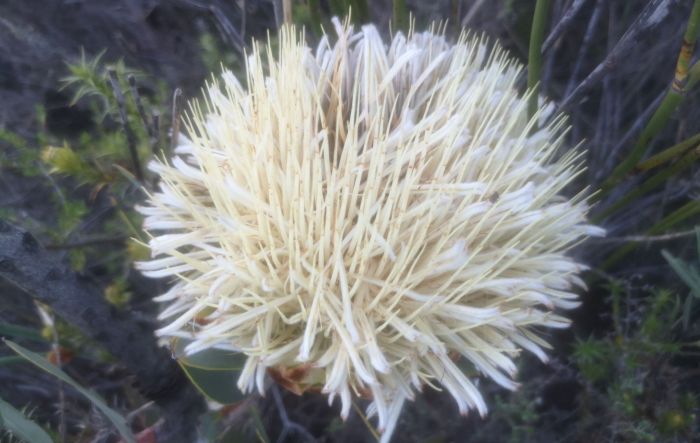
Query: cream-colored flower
[[368, 219]]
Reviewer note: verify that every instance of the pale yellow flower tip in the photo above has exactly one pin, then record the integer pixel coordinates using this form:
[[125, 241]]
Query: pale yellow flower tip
[[366, 219]]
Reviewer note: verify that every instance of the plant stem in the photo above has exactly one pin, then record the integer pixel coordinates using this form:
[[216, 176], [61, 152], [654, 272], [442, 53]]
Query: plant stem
[[668, 154], [673, 98], [684, 212], [130, 137], [687, 49], [656, 123], [534, 64], [658, 179]]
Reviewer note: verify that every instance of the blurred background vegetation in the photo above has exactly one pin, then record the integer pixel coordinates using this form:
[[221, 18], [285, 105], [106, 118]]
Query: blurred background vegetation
[[90, 91]]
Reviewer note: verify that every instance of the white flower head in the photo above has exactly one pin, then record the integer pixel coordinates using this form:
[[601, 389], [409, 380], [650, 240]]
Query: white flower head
[[367, 219]]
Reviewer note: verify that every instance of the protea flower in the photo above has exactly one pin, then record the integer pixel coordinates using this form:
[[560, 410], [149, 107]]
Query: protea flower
[[368, 219]]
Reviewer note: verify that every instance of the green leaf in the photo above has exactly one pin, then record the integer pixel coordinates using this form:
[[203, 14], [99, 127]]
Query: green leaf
[[218, 385], [20, 426], [209, 359], [212, 371], [10, 330], [690, 275], [117, 420], [10, 360], [64, 160], [686, 314], [69, 217]]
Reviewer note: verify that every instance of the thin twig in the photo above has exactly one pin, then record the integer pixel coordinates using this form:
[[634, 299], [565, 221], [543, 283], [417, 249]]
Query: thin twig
[[587, 39], [364, 419], [647, 238], [227, 30], [175, 124], [473, 9], [233, 37], [690, 209], [156, 129], [287, 424], [244, 9], [142, 112], [655, 12], [100, 240], [563, 24], [138, 411], [636, 127], [130, 138]]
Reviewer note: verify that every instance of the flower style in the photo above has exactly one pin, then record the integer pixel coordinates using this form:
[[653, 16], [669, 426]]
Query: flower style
[[367, 219]]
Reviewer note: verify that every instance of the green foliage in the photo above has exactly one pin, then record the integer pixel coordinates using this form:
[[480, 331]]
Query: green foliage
[[89, 80], [71, 213], [594, 358], [630, 375], [632, 372], [688, 272], [213, 372], [137, 251], [17, 331], [209, 359], [21, 158], [117, 293], [63, 160], [18, 425], [117, 420], [83, 176], [79, 169], [673, 98], [215, 55], [520, 414]]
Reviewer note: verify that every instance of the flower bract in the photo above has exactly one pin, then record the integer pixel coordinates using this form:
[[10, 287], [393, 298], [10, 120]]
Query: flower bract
[[368, 219]]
